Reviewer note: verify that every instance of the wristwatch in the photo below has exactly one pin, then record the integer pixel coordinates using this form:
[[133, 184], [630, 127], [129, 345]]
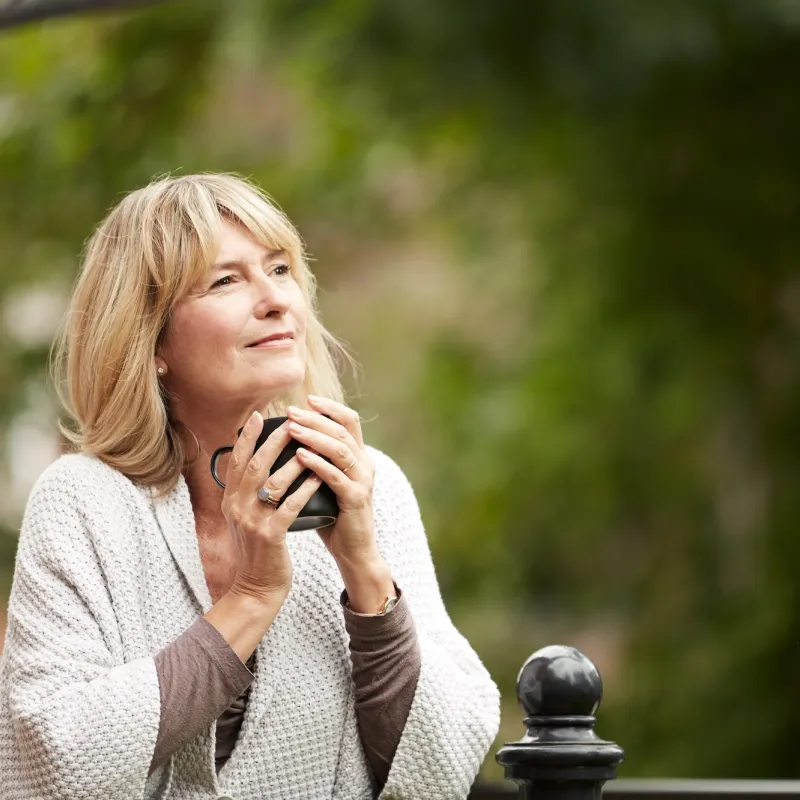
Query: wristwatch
[[388, 604]]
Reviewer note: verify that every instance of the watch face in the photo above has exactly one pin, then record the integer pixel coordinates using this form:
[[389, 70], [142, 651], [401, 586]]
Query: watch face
[[390, 604]]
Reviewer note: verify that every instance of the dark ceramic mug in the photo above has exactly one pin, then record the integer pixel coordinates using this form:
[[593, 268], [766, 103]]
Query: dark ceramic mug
[[320, 510]]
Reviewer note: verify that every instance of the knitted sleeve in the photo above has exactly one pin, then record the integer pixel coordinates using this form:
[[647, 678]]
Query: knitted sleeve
[[455, 713], [75, 720]]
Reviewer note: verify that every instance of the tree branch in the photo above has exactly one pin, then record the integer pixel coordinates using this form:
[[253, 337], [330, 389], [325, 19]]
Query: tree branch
[[21, 12]]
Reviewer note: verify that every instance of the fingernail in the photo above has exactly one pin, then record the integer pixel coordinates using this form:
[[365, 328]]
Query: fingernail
[[293, 410], [254, 421], [313, 398]]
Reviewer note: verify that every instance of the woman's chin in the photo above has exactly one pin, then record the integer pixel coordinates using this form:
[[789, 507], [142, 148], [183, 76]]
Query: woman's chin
[[278, 384]]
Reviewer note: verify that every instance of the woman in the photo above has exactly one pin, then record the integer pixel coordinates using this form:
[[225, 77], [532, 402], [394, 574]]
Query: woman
[[166, 637]]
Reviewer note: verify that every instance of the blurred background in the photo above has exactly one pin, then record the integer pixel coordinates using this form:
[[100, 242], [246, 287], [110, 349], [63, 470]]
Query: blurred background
[[562, 239]]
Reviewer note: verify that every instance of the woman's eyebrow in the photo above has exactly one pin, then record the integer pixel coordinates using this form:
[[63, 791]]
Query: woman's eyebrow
[[236, 263]]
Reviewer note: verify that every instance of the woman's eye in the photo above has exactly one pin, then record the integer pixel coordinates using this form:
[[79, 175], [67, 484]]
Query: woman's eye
[[223, 281], [282, 269]]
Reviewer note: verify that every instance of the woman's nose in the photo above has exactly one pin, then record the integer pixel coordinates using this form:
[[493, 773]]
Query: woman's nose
[[269, 297]]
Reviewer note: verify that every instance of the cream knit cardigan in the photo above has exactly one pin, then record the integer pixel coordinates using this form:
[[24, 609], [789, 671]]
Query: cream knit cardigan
[[106, 576]]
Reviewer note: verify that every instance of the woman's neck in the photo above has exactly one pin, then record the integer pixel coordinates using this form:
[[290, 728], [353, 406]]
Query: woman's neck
[[205, 494], [202, 434]]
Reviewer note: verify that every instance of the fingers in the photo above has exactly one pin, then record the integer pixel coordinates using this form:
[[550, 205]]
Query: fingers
[[318, 422], [248, 519], [289, 509], [350, 493], [346, 417], [242, 451], [279, 481], [256, 470], [344, 453]]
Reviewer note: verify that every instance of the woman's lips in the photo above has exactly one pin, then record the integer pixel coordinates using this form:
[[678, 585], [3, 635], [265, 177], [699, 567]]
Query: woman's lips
[[271, 344]]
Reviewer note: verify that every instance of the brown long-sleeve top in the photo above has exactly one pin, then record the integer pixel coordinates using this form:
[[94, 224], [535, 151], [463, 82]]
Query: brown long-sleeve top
[[202, 679]]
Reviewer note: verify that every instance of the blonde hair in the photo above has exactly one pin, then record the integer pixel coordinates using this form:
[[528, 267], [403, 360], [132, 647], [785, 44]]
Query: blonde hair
[[150, 249]]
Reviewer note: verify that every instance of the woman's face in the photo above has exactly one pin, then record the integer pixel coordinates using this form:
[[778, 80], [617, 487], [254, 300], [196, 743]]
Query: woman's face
[[217, 361]]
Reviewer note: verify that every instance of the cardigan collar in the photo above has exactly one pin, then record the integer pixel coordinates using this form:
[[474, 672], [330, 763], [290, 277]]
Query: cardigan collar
[[175, 517], [176, 520]]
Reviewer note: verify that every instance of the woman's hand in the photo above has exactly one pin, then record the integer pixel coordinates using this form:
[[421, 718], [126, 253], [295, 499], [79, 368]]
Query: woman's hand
[[258, 530], [351, 539]]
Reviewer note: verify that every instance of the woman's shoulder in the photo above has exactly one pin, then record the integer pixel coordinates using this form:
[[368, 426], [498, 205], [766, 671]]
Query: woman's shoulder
[[393, 495], [388, 472], [79, 468], [78, 503], [79, 480]]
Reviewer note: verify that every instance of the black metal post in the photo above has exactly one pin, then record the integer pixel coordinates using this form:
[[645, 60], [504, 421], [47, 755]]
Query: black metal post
[[560, 757]]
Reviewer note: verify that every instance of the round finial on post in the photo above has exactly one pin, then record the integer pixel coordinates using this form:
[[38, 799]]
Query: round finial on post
[[559, 681], [560, 756]]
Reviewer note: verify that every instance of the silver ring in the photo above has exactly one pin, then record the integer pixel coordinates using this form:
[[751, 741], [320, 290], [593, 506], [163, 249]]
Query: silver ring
[[350, 466], [264, 496]]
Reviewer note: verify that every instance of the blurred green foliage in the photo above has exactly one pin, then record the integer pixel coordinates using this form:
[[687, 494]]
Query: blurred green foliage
[[604, 437]]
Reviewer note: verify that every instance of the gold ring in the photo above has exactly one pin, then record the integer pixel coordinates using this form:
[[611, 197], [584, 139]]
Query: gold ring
[[349, 466]]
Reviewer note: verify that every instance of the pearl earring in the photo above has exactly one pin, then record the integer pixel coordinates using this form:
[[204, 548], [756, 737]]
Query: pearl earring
[[160, 370]]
